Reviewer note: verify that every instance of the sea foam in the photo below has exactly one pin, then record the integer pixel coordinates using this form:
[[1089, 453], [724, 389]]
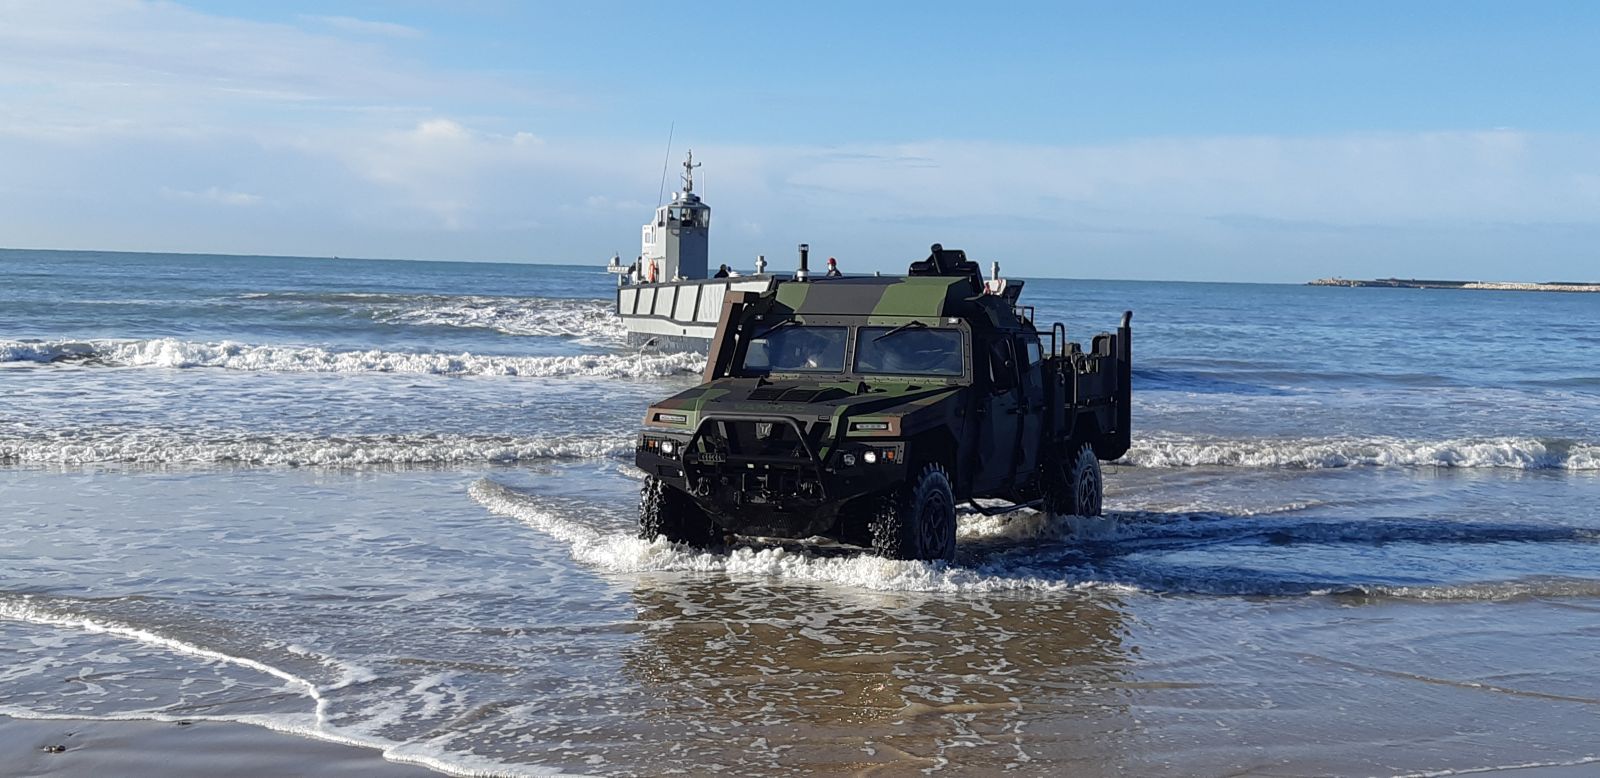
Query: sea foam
[[560, 317], [589, 320], [315, 723], [1525, 453], [620, 551], [1031, 552], [158, 446], [180, 354]]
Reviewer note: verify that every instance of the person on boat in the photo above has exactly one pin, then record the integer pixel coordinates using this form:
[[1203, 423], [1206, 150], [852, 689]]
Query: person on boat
[[722, 272], [833, 268]]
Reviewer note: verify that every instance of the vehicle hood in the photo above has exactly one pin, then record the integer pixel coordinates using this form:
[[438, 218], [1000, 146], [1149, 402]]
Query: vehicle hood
[[810, 400]]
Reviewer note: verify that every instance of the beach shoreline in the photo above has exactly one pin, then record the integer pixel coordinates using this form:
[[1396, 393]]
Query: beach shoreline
[[198, 749]]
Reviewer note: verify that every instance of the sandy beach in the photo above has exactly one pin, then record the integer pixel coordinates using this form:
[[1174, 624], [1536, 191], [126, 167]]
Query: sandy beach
[[202, 749]]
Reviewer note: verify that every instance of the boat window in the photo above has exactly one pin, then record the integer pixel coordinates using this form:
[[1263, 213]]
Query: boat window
[[908, 350], [793, 348]]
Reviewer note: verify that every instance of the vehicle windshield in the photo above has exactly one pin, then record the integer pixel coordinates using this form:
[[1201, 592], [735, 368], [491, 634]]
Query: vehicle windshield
[[796, 348], [908, 350]]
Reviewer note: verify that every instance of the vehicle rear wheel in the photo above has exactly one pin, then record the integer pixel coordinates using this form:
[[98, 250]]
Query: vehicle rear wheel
[[1073, 486], [918, 519], [665, 511]]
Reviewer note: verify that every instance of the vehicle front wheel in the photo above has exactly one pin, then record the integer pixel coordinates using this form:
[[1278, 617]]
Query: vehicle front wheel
[[918, 519], [665, 511], [1073, 485]]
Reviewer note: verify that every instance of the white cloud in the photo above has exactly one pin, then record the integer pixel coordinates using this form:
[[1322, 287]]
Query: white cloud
[[127, 67], [213, 195], [364, 27], [441, 130], [1262, 207], [361, 152]]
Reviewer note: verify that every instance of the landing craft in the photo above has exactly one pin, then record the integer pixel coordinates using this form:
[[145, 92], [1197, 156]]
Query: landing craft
[[667, 297]]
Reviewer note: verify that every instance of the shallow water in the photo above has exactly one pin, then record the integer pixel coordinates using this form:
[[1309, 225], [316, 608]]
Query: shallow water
[[391, 503]]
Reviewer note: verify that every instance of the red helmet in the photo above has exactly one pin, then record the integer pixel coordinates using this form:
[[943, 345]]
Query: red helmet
[[832, 261]]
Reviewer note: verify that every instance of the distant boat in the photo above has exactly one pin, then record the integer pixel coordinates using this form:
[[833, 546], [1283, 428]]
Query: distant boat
[[667, 297]]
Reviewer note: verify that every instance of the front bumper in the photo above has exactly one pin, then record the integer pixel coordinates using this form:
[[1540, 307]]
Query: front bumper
[[772, 476]]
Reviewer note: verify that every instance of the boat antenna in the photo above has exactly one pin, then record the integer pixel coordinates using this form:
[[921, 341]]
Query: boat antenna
[[660, 195], [688, 172]]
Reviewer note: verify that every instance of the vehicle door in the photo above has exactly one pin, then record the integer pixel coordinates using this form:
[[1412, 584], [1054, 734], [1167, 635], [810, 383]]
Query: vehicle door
[[1030, 396], [999, 418]]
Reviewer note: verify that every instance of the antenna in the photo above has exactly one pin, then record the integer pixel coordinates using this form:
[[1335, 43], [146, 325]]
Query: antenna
[[660, 195], [688, 172]]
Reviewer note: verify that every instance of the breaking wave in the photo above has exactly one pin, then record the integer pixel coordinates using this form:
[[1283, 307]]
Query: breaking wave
[[559, 317], [617, 550], [1034, 552], [1317, 453], [167, 447], [172, 353], [590, 320]]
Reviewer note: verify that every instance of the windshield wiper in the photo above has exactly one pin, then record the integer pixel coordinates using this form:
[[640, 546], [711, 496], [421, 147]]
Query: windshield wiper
[[774, 328], [899, 329]]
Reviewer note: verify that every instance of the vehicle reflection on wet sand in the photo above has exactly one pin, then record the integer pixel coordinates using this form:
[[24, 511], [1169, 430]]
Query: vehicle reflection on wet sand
[[1264, 640], [835, 681]]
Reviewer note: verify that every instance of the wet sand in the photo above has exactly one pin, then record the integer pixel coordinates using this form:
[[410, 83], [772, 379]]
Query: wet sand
[[524, 629], [202, 749]]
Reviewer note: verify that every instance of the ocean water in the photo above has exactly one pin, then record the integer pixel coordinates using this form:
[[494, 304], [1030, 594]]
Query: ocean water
[[391, 504]]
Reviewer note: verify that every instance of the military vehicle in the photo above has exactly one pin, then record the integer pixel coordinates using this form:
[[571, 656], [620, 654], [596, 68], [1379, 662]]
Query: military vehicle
[[866, 409]]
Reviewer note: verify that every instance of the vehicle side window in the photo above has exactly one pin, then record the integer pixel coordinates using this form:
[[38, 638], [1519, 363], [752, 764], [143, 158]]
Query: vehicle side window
[[1035, 351], [1002, 366]]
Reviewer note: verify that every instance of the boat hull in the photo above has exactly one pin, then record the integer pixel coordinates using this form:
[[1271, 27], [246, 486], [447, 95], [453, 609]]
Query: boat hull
[[679, 316]]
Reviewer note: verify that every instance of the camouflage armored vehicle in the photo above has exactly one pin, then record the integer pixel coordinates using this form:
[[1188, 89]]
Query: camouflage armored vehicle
[[866, 409]]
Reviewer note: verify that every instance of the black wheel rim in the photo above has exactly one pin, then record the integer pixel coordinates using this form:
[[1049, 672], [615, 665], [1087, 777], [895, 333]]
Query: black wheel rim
[[1087, 487], [930, 522]]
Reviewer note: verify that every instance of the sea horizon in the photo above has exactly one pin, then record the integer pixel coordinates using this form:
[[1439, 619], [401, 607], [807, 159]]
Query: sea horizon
[[598, 265]]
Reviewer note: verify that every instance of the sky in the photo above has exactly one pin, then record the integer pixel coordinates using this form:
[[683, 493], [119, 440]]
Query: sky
[[1219, 141]]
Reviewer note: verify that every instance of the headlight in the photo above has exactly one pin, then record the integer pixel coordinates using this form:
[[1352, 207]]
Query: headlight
[[870, 457], [667, 447], [849, 460]]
